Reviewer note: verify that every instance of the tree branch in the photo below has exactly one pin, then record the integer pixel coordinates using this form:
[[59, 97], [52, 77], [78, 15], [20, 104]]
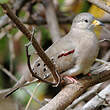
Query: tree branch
[[20, 82], [101, 4], [84, 96], [72, 91], [35, 44], [98, 100]]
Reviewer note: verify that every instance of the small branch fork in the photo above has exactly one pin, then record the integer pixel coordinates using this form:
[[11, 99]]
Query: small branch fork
[[35, 44], [30, 69]]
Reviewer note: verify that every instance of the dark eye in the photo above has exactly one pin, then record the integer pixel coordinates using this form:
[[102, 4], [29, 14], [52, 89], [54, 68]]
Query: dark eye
[[86, 21], [44, 69], [38, 64]]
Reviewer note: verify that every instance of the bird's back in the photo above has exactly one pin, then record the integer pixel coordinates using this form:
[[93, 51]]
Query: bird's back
[[57, 52]]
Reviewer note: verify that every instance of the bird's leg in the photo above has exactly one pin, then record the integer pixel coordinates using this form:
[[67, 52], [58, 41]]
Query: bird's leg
[[30, 69], [69, 74], [89, 74], [70, 79]]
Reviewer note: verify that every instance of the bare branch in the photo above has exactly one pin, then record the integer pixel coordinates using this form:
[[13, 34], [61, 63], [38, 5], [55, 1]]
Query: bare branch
[[3, 93], [17, 6], [89, 93], [30, 69], [104, 40], [35, 44], [8, 73], [105, 58], [72, 91], [98, 100], [27, 106], [101, 4], [94, 89]]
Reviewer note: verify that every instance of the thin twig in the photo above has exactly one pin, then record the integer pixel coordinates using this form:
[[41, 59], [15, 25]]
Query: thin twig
[[102, 61], [89, 93], [30, 69], [17, 7], [14, 78], [8, 73], [27, 106], [97, 100], [35, 44], [105, 58], [72, 91], [104, 40]]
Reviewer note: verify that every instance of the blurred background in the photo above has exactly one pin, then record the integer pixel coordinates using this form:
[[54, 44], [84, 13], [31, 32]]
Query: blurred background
[[35, 14]]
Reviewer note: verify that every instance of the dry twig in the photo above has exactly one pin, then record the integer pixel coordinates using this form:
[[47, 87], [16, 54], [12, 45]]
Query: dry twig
[[35, 44], [27, 106], [4, 92], [98, 100], [72, 91], [89, 93]]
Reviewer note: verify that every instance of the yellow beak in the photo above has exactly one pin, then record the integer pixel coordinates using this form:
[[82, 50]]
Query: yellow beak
[[97, 23]]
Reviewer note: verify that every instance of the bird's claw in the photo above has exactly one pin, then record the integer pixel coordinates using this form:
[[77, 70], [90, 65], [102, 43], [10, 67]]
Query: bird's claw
[[69, 79]]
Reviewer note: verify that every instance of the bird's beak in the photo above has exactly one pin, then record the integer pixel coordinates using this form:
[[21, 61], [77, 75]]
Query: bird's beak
[[97, 23]]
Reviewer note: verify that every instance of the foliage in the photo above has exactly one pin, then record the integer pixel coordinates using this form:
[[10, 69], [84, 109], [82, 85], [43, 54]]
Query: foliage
[[3, 1]]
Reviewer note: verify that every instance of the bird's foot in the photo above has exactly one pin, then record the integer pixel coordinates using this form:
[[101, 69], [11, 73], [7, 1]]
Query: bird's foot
[[89, 74], [69, 79]]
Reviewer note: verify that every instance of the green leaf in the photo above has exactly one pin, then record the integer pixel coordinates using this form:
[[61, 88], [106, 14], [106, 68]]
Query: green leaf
[[3, 1]]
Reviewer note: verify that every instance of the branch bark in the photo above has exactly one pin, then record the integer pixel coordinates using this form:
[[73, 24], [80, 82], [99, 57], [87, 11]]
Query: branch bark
[[70, 92], [84, 96], [35, 44], [98, 100], [101, 4]]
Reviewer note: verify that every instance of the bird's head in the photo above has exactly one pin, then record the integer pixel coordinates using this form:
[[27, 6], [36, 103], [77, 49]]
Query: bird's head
[[85, 21]]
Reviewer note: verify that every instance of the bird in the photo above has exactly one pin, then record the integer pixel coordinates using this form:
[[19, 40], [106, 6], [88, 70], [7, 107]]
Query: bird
[[73, 54]]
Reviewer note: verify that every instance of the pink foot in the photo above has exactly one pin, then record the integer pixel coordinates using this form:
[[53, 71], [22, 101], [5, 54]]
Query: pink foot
[[89, 74], [71, 79]]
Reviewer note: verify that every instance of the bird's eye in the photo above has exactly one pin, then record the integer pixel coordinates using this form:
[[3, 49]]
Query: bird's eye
[[86, 21]]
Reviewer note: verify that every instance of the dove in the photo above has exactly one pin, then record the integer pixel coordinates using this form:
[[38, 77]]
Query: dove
[[74, 53]]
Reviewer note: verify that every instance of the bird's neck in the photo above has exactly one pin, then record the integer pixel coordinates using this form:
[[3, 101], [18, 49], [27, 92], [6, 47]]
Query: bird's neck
[[81, 30]]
